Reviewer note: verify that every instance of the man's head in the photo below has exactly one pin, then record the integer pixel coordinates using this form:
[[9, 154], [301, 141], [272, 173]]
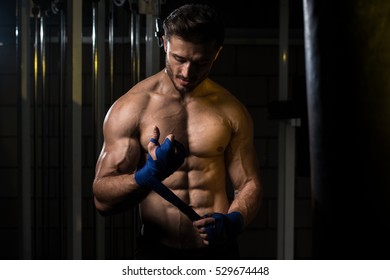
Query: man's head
[[192, 41], [195, 23]]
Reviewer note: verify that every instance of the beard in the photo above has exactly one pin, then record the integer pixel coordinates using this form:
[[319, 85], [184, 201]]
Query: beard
[[193, 81]]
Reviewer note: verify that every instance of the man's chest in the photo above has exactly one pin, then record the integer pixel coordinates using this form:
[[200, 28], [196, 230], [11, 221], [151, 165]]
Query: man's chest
[[201, 127]]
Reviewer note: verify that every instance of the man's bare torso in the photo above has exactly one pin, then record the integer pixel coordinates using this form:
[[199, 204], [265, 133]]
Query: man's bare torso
[[203, 122]]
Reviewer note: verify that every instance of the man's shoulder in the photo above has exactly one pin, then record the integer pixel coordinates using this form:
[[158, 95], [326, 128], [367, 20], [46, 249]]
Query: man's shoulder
[[224, 97], [220, 90], [140, 93], [149, 83]]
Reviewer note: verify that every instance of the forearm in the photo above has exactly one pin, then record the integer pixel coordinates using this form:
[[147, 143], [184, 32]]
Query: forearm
[[247, 201], [117, 193]]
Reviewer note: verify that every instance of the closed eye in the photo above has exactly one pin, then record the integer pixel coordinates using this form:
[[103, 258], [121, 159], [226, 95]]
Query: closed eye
[[179, 59]]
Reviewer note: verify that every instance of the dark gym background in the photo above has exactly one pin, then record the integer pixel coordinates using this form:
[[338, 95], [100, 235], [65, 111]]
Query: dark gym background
[[46, 206]]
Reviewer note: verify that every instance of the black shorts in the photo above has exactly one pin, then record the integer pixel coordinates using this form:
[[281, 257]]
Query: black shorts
[[148, 249]]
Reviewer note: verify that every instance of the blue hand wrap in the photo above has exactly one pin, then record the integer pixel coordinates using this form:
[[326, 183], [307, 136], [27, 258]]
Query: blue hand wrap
[[170, 156], [170, 196], [226, 227]]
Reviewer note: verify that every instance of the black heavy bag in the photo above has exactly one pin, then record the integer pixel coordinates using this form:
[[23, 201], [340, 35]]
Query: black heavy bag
[[347, 47]]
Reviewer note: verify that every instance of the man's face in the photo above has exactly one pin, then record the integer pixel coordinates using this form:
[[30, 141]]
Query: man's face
[[188, 64]]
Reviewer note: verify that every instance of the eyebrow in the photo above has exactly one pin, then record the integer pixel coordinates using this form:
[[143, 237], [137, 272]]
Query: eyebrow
[[201, 60]]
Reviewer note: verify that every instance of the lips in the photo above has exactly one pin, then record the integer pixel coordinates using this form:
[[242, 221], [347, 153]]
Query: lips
[[184, 82]]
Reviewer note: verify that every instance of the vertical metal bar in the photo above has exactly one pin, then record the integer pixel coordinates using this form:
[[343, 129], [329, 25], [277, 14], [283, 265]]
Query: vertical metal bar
[[135, 62], [75, 75], [111, 38], [23, 43], [286, 173], [94, 86], [94, 59], [138, 47], [135, 46], [37, 243], [61, 134], [152, 48], [100, 75], [98, 46], [44, 141], [132, 48]]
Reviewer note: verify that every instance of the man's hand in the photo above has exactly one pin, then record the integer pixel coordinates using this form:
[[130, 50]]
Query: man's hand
[[163, 160], [219, 228]]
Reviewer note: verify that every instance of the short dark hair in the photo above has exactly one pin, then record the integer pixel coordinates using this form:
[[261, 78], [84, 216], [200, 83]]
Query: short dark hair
[[195, 23]]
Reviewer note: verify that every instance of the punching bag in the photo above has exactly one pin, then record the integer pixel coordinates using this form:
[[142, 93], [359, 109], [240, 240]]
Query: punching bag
[[347, 51]]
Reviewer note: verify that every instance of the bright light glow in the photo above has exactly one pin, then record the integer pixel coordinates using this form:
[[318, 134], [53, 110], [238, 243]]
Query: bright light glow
[[284, 57]]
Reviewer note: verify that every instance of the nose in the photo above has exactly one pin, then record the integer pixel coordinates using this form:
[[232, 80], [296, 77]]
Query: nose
[[186, 70]]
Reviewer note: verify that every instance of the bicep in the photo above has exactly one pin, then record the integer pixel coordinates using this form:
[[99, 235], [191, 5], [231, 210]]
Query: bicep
[[119, 157], [121, 149]]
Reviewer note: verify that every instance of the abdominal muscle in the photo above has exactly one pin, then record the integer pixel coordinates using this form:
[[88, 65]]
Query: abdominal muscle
[[201, 185]]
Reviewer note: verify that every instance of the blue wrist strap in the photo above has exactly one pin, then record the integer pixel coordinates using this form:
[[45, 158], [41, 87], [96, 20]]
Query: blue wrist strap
[[171, 197], [170, 156], [226, 227]]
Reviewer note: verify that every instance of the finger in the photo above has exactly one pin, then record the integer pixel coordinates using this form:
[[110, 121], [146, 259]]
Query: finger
[[153, 144], [203, 222], [200, 229], [204, 236], [199, 223], [156, 133], [171, 137]]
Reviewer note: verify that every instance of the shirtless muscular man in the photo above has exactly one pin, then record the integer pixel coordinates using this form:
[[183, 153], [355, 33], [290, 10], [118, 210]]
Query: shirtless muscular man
[[188, 133]]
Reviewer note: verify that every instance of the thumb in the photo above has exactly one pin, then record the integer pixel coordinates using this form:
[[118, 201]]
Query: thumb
[[153, 144]]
